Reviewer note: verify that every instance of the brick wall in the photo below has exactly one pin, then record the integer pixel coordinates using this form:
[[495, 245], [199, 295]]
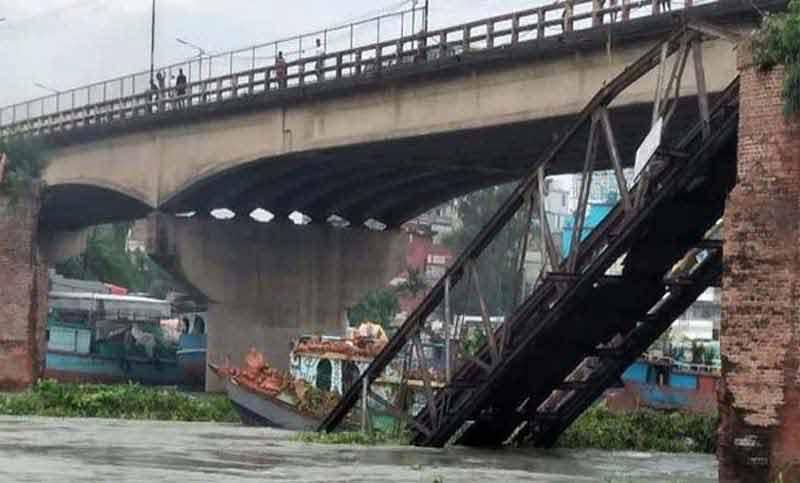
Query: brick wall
[[760, 331], [23, 292]]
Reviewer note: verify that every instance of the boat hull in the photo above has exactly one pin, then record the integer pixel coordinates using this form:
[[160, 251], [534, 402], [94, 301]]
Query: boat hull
[[90, 368], [260, 410], [192, 363]]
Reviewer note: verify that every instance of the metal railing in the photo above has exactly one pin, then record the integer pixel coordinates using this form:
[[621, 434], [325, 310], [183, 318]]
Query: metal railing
[[352, 50]]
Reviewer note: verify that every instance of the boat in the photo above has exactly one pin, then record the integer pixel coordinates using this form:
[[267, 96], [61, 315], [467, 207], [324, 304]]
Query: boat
[[666, 384], [105, 338], [260, 408], [322, 368], [192, 348]]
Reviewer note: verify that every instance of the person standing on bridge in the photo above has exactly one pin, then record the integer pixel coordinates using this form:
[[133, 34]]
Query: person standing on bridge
[[180, 88], [566, 16], [280, 70], [319, 51]]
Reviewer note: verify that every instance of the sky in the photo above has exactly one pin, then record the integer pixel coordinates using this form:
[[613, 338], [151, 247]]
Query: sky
[[63, 44]]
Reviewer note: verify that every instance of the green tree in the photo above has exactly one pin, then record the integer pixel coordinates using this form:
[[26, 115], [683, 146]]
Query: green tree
[[107, 260], [416, 283], [778, 42], [26, 160], [498, 265], [379, 306]]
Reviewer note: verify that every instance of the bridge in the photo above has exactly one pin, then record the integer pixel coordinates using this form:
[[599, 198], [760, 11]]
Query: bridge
[[380, 132], [372, 136]]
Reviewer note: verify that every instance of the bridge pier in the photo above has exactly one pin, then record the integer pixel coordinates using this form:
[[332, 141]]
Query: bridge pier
[[760, 336], [23, 293], [269, 283]]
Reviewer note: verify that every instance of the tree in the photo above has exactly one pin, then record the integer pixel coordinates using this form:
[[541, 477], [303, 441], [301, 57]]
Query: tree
[[416, 283], [25, 163], [498, 265], [379, 306], [106, 259]]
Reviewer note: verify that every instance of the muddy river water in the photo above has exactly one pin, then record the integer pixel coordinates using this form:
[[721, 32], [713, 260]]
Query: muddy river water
[[81, 450]]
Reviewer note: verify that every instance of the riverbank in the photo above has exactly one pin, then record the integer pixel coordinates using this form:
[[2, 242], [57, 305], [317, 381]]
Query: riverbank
[[124, 401], [642, 430], [597, 428]]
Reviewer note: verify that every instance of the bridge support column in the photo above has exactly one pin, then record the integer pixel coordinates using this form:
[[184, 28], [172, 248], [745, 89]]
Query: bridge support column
[[23, 294], [269, 283], [760, 392]]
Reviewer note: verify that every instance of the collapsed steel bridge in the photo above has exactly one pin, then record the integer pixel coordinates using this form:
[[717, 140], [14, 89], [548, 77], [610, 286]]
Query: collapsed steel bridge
[[592, 313]]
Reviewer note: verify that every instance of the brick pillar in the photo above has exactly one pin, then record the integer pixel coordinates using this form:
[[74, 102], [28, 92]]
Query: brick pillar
[[760, 336], [23, 294]]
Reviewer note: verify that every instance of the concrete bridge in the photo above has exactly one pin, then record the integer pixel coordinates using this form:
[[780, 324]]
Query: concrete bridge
[[390, 131]]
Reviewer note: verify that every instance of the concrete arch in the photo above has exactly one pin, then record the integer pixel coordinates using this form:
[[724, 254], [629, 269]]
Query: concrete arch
[[77, 204]]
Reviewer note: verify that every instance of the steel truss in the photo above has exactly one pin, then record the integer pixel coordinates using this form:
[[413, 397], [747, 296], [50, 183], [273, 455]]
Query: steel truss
[[581, 326]]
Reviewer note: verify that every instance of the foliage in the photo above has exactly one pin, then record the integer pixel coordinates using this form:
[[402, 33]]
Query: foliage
[[130, 401], [698, 352], [106, 259], [26, 161], [642, 430], [475, 340], [416, 283], [379, 306], [497, 266], [372, 438], [778, 42]]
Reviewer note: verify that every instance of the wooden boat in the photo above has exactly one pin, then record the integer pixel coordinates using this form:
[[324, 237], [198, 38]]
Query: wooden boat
[[260, 408]]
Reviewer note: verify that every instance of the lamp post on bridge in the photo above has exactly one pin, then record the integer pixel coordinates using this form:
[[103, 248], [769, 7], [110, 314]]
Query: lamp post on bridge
[[200, 53], [42, 86], [153, 43]]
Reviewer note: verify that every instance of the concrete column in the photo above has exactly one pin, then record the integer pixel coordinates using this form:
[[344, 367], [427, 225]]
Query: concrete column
[[760, 332], [269, 283], [23, 294]]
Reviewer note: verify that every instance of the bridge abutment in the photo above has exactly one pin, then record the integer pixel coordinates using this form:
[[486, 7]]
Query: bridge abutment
[[23, 293], [270, 283], [760, 336]]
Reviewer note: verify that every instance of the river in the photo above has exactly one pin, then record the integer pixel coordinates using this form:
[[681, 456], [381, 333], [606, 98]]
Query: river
[[96, 450]]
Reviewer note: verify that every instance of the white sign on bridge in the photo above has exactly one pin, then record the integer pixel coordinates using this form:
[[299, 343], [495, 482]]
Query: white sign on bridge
[[648, 147]]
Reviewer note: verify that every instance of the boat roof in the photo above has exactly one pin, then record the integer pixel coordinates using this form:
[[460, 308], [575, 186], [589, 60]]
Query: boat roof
[[107, 297]]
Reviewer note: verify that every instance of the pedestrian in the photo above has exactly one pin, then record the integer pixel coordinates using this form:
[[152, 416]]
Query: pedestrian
[[161, 81], [664, 6], [566, 16], [319, 52], [613, 14], [180, 88], [153, 95], [280, 70]]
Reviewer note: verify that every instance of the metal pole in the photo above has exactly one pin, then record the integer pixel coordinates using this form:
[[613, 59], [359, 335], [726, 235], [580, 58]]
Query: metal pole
[[425, 19], [447, 358], [364, 393], [153, 42]]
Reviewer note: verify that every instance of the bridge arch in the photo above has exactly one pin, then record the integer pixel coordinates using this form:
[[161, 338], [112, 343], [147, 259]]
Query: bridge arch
[[77, 204]]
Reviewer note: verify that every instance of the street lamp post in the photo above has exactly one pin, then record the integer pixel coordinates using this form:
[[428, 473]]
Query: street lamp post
[[42, 86], [200, 53], [56, 92], [153, 42]]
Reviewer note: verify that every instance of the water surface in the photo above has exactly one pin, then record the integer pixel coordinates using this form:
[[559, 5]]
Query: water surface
[[96, 450]]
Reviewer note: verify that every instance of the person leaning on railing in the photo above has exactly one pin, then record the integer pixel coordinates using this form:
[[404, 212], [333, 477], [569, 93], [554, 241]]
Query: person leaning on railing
[[319, 53], [280, 70], [566, 16]]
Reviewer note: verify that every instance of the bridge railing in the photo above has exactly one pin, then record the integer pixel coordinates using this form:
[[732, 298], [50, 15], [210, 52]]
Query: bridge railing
[[219, 78]]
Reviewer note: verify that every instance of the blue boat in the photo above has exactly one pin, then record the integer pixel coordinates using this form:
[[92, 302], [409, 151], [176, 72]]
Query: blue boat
[[192, 345], [101, 338]]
